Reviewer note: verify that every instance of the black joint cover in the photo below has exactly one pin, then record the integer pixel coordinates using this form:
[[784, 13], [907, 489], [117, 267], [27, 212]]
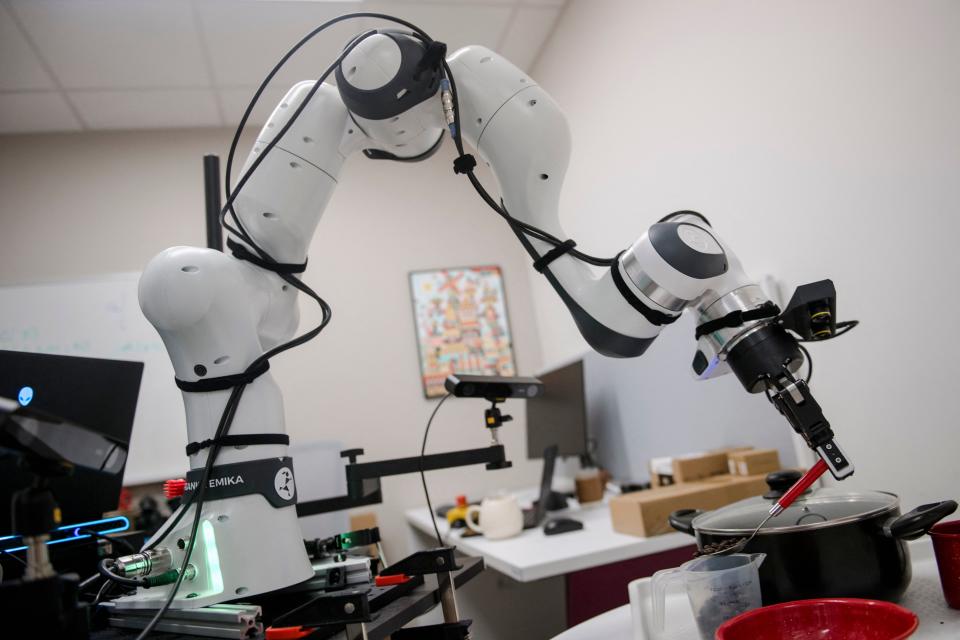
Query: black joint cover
[[666, 240], [412, 84]]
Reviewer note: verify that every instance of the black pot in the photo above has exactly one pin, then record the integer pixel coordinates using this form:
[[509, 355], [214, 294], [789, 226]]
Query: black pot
[[829, 543]]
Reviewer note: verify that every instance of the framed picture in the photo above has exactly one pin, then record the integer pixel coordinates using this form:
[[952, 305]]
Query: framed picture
[[462, 326]]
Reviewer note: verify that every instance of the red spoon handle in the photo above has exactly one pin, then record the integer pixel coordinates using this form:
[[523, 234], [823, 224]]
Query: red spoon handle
[[802, 484]]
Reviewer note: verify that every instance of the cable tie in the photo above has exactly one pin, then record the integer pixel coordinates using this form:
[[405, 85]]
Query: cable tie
[[464, 164], [737, 318], [544, 261], [241, 252], [222, 383]]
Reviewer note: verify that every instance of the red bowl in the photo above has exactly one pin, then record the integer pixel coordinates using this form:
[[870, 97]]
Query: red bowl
[[834, 618]]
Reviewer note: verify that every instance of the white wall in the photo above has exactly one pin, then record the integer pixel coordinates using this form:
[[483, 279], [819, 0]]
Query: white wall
[[81, 204], [822, 139]]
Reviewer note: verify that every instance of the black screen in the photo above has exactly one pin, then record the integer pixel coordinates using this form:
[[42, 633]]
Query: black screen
[[559, 415], [100, 395]]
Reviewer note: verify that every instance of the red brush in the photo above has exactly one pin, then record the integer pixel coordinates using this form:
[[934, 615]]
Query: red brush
[[798, 488]]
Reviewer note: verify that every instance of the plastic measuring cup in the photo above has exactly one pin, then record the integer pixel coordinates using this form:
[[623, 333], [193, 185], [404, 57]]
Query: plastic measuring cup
[[718, 587]]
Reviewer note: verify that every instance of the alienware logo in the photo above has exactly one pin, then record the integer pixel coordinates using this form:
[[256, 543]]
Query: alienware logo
[[283, 483], [25, 396]]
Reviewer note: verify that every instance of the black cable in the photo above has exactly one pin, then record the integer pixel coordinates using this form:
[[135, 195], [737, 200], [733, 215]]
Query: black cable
[[15, 557], [228, 207], [809, 363], [417, 32], [171, 524], [685, 212], [276, 68], [104, 567], [843, 327], [102, 593], [87, 582], [239, 231], [99, 536], [226, 419], [233, 402], [423, 476], [518, 226]]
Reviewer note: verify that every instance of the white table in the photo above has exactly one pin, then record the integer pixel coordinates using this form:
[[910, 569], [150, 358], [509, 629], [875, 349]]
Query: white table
[[533, 555], [924, 597]]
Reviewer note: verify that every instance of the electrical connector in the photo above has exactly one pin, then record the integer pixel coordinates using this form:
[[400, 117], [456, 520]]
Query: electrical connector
[[446, 99]]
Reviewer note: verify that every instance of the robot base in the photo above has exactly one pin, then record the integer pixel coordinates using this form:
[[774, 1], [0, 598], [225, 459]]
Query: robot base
[[228, 530]]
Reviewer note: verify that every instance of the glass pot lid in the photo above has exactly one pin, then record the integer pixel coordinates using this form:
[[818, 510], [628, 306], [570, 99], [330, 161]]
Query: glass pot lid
[[821, 508]]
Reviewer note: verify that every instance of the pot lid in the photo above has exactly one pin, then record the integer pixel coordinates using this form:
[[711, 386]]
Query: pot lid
[[823, 507]]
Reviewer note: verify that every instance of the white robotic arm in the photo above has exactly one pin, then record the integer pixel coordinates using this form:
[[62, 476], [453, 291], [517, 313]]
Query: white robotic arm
[[679, 263], [217, 314]]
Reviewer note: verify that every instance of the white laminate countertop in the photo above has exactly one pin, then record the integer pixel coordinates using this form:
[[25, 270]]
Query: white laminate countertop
[[533, 555], [924, 597]]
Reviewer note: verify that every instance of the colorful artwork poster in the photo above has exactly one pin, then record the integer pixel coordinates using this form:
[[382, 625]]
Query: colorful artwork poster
[[462, 325]]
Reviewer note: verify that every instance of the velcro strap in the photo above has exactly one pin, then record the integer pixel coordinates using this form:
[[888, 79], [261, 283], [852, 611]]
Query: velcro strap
[[464, 164], [223, 382], [240, 252], [738, 318], [239, 440], [544, 261]]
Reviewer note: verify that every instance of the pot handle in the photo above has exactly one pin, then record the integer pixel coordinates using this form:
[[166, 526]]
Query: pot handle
[[914, 524], [682, 520]]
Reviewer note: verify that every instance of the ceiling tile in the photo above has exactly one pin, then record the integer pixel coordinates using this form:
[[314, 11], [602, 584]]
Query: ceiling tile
[[20, 68], [104, 52], [235, 101], [147, 109], [527, 34], [35, 111], [112, 44], [246, 38], [456, 24]]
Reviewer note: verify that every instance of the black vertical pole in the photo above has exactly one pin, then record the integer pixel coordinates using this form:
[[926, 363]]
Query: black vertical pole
[[211, 189]]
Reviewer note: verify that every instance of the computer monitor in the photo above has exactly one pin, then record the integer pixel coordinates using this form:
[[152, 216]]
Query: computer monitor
[[98, 394], [559, 415]]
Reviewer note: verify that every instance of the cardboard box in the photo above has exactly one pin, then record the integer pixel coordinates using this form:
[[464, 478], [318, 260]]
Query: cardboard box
[[645, 513], [691, 467], [661, 471], [740, 487], [751, 463]]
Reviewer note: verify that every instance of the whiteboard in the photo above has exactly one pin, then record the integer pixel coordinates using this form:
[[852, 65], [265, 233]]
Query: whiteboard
[[100, 317]]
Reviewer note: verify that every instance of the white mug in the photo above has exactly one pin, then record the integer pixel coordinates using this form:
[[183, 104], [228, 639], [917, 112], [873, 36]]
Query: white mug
[[500, 517]]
